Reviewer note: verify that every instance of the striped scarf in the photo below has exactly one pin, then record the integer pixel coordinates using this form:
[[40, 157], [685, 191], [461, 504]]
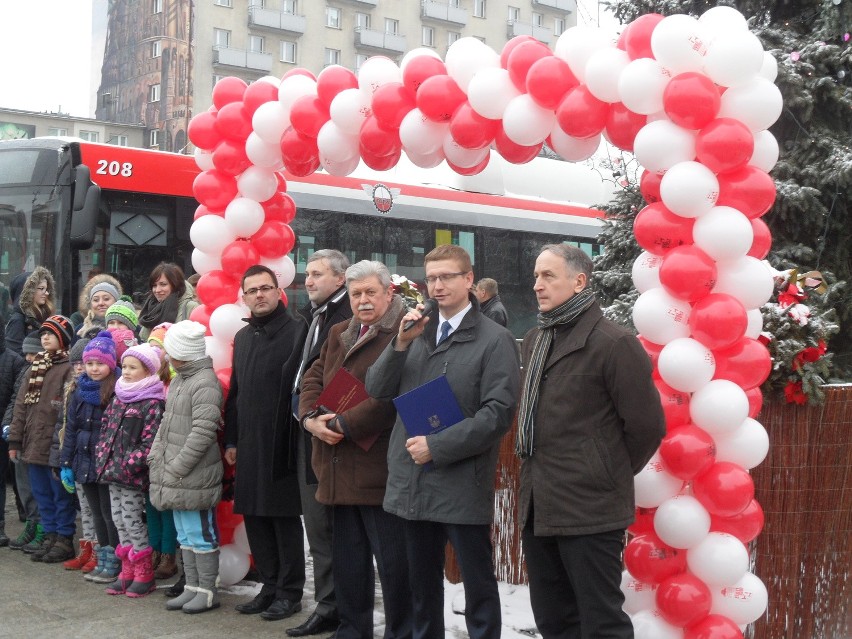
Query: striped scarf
[[564, 314], [42, 363]]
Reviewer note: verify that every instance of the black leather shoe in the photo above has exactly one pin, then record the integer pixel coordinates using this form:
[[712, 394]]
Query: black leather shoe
[[314, 625], [281, 609], [259, 604]]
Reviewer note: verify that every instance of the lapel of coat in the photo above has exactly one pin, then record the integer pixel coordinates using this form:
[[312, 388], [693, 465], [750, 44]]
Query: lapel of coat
[[567, 341]]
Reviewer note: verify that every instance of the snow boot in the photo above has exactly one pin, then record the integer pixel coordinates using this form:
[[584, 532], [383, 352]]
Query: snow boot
[[143, 574], [191, 579], [206, 594], [4, 538], [90, 565], [33, 541], [99, 556], [167, 566], [44, 547], [61, 550], [77, 563], [26, 536], [125, 576], [110, 567]]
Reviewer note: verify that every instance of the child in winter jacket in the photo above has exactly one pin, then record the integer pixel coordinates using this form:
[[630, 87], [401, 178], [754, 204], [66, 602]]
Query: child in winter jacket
[[31, 434], [129, 426], [186, 466]]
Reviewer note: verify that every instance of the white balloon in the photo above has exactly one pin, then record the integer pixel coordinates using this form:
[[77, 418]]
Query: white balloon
[[295, 87], [766, 151], [461, 156], [284, 269], [220, 351], [257, 183], [638, 595], [719, 407], [525, 122], [241, 538], [467, 56], [724, 233], [335, 144], [755, 323], [686, 365], [577, 45], [679, 43], [333, 167], [682, 522], [649, 624], [225, 321], [734, 58], [244, 216], [769, 68], [233, 565], [270, 121], [420, 135], [747, 446], [261, 153], [490, 91], [271, 79], [743, 601], [426, 161], [661, 317], [349, 109], [722, 20], [646, 271], [415, 53], [720, 559], [641, 86], [570, 148], [205, 262], [204, 159], [603, 72], [376, 71], [211, 234], [662, 144], [748, 279], [689, 189], [653, 484], [757, 104]]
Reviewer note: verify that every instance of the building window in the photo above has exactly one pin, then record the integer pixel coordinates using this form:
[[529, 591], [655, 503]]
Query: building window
[[478, 8], [221, 3], [56, 131], [392, 26], [332, 56], [452, 36], [514, 14], [154, 93], [538, 20], [288, 52], [428, 37], [157, 6], [558, 26], [362, 20], [119, 140], [89, 136], [332, 17], [256, 44], [359, 60], [288, 6], [222, 38], [154, 138], [455, 3], [156, 49], [258, 3]]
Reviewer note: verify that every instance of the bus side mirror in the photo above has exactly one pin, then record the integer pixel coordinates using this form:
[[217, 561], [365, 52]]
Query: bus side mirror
[[84, 211]]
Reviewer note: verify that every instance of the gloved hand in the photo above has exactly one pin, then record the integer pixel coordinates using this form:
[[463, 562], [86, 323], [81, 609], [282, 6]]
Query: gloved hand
[[66, 475], [6, 429]]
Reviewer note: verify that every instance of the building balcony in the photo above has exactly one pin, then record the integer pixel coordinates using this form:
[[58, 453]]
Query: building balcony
[[242, 59], [276, 20], [515, 28], [380, 41], [568, 6], [443, 12]]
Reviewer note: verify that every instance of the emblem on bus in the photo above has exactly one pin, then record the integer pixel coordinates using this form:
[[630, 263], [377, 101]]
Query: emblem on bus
[[382, 196]]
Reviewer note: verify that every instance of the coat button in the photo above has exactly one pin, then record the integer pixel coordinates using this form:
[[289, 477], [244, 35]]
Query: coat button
[[334, 460]]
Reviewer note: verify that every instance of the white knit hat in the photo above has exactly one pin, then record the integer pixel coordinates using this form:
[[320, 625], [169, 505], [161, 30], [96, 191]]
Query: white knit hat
[[185, 341]]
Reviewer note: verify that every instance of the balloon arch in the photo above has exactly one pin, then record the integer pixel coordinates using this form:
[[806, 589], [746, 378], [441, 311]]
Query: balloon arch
[[692, 99]]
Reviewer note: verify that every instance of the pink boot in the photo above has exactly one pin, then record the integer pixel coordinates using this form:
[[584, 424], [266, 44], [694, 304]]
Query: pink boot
[[143, 573], [125, 577]]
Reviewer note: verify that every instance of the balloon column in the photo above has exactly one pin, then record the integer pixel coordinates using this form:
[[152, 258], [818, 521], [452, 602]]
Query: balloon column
[[693, 99]]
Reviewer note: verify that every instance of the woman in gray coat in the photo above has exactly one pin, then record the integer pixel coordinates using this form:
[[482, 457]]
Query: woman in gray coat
[[185, 466]]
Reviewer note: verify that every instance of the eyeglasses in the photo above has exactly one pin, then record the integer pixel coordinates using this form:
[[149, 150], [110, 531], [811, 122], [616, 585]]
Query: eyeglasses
[[260, 289], [444, 277]]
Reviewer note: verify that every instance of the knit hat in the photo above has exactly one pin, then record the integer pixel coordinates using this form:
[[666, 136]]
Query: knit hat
[[185, 341], [158, 334], [124, 312], [104, 286], [60, 326], [124, 338], [75, 354], [150, 356], [101, 349], [32, 343]]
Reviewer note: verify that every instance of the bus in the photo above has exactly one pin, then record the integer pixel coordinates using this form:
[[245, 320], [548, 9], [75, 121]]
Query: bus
[[74, 206]]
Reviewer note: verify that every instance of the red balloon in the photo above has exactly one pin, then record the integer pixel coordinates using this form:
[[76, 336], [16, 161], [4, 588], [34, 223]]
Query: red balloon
[[238, 256], [622, 125], [381, 163], [257, 94], [438, 97], [230, 157], [202, 210], [376, 141], [274, 239], [687, 451], [391, 103], [548, 80], [282, 181], [233, 122], [581, 114], [713, 627], [755, 402], [512, 152], [510, 46], [473, 170], [675, 405], [683, 599], [725, 489], [303, 169], [332, 80], [308, 114], [201, 314], [717, 320], [227, 90], [762, 241], [658, 230], [644, 522], [649, 186], [297, 149], [226, 521], [298, 71], [216, 288], [746, 363], [745, 525], [724, 145], [280, 208], [214, 189], [691, 100], [419, 69], [202, 131], [651, 560], [471, 130], [748, 189], [637, 36], [224, 377], [521, 58], [688, 273]]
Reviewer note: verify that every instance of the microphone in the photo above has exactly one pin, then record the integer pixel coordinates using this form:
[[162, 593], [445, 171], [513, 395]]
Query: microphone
[[429, 307]]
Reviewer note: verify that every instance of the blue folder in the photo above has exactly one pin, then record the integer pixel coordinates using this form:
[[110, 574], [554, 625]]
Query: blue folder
[[429, 408]]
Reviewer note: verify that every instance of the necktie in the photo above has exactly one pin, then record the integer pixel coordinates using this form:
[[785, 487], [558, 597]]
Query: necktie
[[445, 331], [364, 329]]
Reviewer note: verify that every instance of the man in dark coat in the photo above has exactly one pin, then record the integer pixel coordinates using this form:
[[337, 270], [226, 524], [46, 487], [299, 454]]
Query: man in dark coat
[[329, 305], [588, 420], [489, 301], [260, 438]]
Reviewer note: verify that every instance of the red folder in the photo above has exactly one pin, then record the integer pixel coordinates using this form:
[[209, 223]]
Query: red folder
[[343, 392]]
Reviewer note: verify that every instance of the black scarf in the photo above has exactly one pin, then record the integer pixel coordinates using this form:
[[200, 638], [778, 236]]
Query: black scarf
[[155, 313], [259, 321]]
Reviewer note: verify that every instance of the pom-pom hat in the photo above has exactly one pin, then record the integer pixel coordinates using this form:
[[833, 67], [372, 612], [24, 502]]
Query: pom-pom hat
[[101, 349], [124, 312], [185, 341], [60, 326], [150, 356]]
